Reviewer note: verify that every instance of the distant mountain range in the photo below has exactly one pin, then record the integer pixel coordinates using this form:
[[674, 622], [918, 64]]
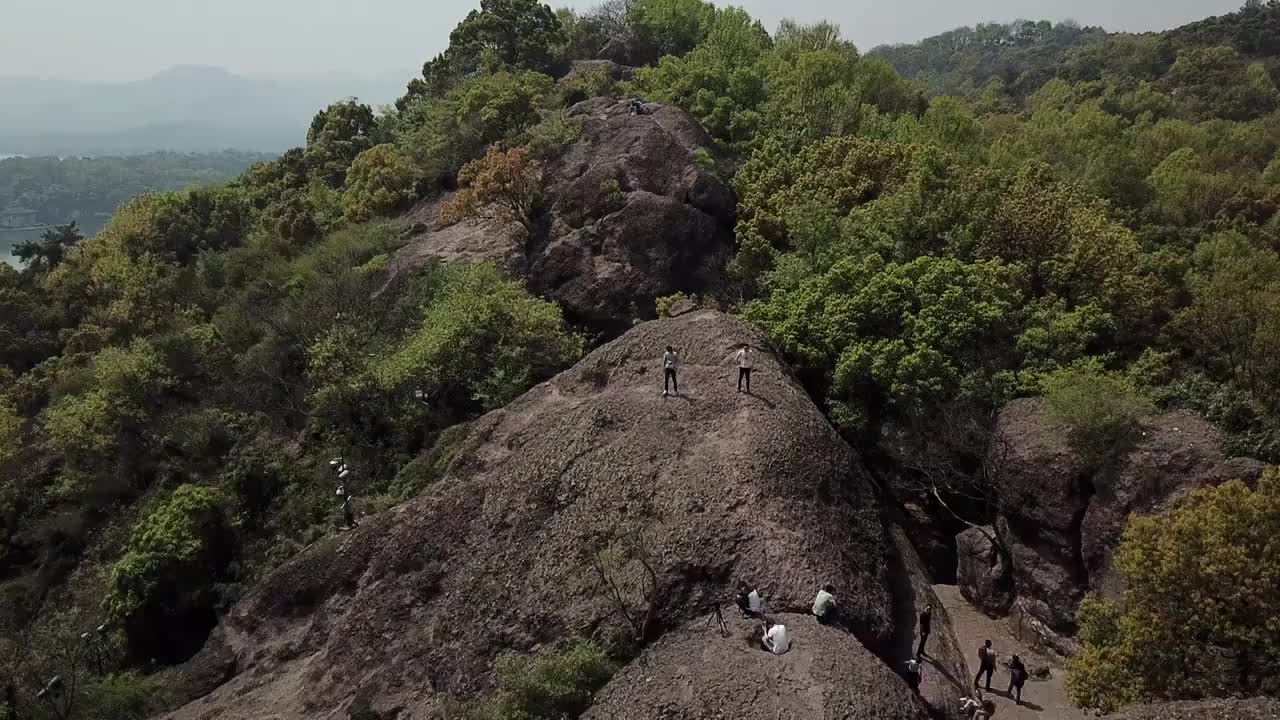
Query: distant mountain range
[[184, 109]]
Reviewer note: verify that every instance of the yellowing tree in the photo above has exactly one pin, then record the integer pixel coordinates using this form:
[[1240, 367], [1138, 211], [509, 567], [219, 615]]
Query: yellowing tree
[[502, 185], [1200, 615]]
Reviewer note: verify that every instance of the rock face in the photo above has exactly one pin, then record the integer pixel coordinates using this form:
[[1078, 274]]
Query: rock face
[[628, 216], [415, 605], [826, 674], [983, 571], [1061, 520]]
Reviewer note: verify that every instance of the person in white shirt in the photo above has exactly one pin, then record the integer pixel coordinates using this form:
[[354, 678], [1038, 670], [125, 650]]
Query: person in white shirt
[[749, 601], [746, 361], [775, 638], [670, 363], [824, 605]]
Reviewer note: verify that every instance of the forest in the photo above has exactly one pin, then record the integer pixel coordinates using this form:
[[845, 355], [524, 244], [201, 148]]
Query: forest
[[923, 231], [60, 190]]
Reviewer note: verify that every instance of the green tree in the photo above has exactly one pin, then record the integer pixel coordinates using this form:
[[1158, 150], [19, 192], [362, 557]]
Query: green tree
[[667, 27], [1100, 411], [338, 134], [1198, 615], [47, 253], [380, 182], [163, 590]]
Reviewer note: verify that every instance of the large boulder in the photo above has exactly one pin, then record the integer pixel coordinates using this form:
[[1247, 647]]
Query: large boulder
[[415, 605], [628, 215], [983, 571], [697, 674], [1061, 519]]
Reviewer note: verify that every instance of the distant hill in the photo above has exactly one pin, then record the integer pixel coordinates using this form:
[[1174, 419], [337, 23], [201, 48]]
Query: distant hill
[[1025, 54], [182, 109]]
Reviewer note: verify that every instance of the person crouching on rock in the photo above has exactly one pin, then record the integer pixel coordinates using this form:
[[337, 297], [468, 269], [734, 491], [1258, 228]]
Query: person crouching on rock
[[1017, 677], [824, 605], [912, 675], [775, 638], [749, 601], [670, 363]]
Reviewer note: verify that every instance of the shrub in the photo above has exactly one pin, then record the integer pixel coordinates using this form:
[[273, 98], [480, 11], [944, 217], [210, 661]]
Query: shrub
[[1198, 614], [555, 685], [1099, 410], [430, 466], [664, 304], [380, 181], [163, 591]]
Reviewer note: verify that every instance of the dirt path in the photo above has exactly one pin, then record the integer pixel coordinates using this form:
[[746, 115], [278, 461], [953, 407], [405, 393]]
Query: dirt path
[[1041, 699]]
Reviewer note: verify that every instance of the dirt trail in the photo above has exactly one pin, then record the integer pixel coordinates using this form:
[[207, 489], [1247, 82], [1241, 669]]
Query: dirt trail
[[1041, 699]]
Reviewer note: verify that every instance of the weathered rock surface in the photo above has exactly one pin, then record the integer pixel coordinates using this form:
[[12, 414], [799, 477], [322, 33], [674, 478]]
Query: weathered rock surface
[[1062, 520], [696, 674], [417, 603], [984, 574], [1252, 709], [628, 216]]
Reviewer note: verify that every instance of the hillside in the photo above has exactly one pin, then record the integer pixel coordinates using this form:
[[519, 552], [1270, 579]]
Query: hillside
[[1009, 62], [1003, 339]]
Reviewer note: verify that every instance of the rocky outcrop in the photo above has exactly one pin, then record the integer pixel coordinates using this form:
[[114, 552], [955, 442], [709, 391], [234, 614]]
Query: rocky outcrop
[[1061, 520], [629, 215], [983, 572], [415, 605], [697, 674]]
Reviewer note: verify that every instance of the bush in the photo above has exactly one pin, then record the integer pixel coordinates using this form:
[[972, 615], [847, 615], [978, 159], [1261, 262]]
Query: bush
[[429, 467], [1099, 410], [1197, 616], [556, 685], [380, 182], [664, 304], [163, 591]]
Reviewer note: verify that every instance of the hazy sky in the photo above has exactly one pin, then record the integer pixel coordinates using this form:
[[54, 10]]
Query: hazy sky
[[129, 39]]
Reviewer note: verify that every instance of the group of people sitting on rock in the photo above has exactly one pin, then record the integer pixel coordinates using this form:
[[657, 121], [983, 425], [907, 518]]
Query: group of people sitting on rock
[[745, 358]]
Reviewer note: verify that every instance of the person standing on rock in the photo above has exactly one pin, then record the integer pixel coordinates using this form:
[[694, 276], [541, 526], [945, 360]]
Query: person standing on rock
[[824, 605], [926, 626], [986, 664], [1017, 677], [746, 360], [670, 363]]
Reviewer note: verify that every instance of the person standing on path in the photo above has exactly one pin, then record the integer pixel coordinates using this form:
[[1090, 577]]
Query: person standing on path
[[986, 664], [926, 626], [1017, 677], [670, 363], [746, 361]]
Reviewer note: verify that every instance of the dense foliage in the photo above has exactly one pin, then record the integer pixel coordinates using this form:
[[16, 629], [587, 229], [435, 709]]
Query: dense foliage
[[1199, 616], [1086, 215], [60, 190]]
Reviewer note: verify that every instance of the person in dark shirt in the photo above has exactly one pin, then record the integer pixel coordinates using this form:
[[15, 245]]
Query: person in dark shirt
[[1017, 677], [926, 626], [986, 664]]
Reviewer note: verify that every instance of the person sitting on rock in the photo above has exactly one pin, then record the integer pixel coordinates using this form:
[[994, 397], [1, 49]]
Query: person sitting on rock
[[746, 361], [635, 107], [986, 711], [670, 363], [775, 638], [986, 664], [1017, 677], [749, 601], [912, 675], [969, 706], [824, 605]]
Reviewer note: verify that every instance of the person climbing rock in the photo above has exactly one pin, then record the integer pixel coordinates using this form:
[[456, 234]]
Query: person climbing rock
[[746, 361], [670, 363], [824, 605], [1017, 678], [986, 664], [926, 626], [775, 638], [912, 676]]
